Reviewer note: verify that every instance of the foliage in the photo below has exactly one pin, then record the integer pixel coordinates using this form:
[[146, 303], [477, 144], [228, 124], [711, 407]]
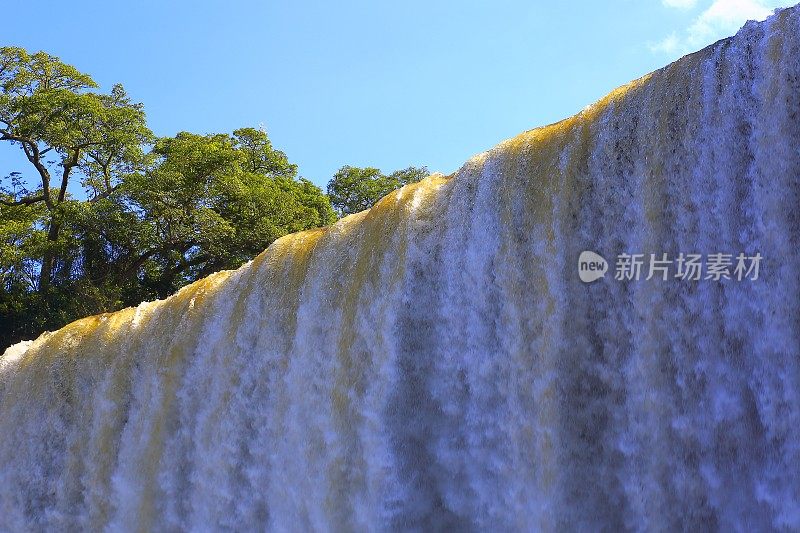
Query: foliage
[[354, 189], [153, 214]]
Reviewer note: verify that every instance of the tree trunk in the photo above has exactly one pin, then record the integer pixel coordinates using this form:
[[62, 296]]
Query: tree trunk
[[49, 258]]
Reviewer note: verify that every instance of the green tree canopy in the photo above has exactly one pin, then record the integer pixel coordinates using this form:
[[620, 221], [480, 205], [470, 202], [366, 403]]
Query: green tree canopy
[[106, 215], [67, 132], [354, 189], [212, 202]]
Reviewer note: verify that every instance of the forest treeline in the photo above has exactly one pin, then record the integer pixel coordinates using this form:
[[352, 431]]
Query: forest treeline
[[105, 215]]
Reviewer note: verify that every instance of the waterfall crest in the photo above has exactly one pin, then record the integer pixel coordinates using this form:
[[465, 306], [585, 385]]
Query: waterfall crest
[[436, 362]]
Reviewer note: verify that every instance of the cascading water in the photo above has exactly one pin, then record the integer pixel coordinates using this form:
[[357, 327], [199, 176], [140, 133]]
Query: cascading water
[[437, 363]]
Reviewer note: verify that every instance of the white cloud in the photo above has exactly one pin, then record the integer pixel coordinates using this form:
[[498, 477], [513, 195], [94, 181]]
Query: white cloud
[[721, 19], [680, 4], [669, 44]]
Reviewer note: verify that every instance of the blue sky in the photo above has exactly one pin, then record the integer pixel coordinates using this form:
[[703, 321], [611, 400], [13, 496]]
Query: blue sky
[[368, 83]]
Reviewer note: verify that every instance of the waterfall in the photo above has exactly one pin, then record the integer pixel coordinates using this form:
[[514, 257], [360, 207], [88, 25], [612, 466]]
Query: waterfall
[[437, 363]]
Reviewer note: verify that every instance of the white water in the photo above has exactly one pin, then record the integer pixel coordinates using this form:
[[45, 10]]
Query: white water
[[436, 362]]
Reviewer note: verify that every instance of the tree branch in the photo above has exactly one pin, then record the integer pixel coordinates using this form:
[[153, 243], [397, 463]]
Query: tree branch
[[34, 155], [69, 164], [24, 201], [104, 194]]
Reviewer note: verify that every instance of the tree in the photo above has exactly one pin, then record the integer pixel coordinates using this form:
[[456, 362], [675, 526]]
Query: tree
[[111, 216], [215, 201], [48, 110], [354, 189]]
